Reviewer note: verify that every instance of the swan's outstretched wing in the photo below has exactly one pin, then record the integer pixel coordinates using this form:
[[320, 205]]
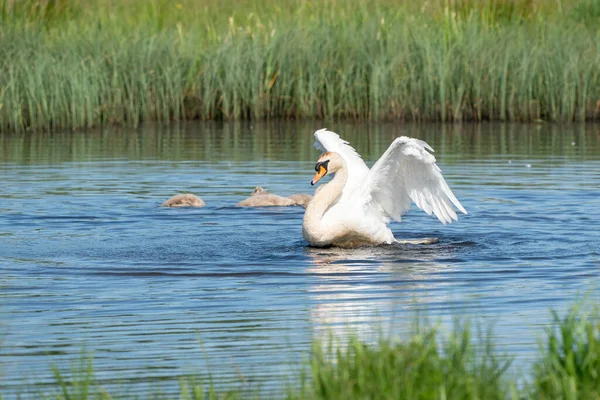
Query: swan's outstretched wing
[[405, 172], [357, 169]]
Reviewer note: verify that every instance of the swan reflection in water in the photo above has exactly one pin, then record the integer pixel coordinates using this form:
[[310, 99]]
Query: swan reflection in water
[[368, 291]]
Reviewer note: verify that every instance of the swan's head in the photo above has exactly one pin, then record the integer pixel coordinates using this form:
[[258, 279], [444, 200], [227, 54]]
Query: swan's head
[[328, 163], [257, 190]]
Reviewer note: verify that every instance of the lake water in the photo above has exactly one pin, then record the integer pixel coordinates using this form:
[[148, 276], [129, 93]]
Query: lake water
[[89, 261]]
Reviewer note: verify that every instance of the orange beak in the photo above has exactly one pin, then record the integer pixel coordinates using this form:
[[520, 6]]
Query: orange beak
[[320, 173]]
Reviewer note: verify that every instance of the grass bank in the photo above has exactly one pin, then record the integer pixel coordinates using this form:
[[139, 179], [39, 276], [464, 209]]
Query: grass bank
[[428, 365], [76, 64]]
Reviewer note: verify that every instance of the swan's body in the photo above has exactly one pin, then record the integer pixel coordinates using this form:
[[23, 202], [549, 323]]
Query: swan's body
[[356, 206], [301, 199], [261, 198], [184, 200]]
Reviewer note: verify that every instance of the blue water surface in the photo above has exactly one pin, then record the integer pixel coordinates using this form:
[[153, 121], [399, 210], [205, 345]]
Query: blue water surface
[[91, 263]]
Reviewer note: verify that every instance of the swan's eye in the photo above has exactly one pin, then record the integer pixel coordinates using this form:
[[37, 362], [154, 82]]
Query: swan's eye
[[323, 164]]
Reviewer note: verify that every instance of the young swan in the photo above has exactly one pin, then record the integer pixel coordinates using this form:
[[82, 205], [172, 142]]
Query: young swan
[[261, 198], [184, 200], [301, 199]]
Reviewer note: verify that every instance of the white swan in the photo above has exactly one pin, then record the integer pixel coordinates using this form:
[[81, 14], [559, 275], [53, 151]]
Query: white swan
[[356, 206]]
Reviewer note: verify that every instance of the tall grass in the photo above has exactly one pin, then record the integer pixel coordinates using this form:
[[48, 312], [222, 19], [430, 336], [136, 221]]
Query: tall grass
[[429, 364], [570, 365], [79, 64]]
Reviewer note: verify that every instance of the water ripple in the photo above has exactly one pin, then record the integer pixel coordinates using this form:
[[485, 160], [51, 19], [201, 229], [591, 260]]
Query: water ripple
[[90, 261]]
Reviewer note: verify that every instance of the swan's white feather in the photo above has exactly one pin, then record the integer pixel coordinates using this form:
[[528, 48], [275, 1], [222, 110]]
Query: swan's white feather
[[357, 169], [405, 172]]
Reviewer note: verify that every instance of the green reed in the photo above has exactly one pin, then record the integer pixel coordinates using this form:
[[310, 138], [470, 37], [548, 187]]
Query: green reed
[[429, 364], [80, 64], [570, 365]]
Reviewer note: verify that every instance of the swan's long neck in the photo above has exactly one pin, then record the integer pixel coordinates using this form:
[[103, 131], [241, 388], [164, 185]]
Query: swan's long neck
[[324, 198]]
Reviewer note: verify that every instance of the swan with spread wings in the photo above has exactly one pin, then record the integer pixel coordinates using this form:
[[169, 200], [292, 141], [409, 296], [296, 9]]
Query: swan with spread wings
[[354, 208]]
